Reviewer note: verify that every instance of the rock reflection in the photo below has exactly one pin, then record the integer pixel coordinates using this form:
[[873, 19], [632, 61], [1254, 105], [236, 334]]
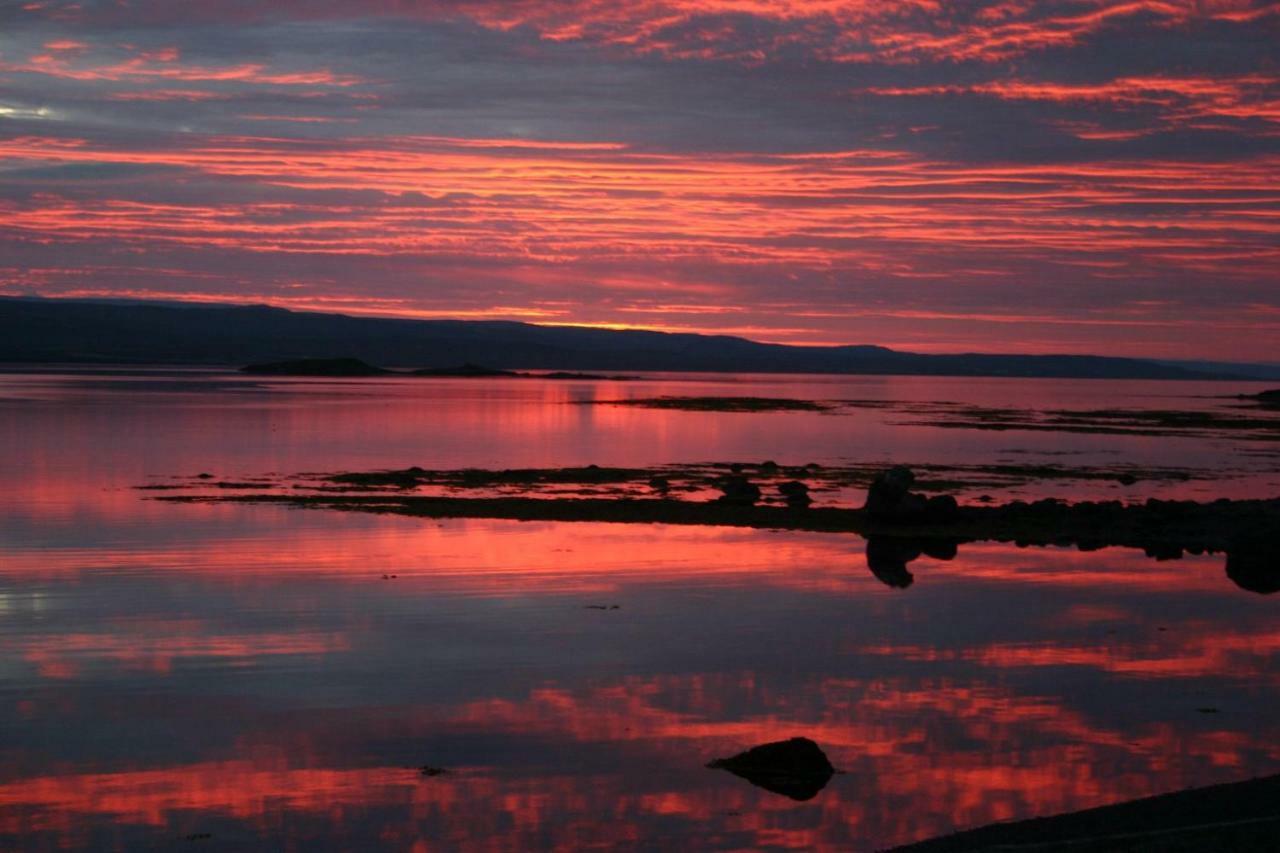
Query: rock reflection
[[888, 556], [795, 768], [1253, 564]]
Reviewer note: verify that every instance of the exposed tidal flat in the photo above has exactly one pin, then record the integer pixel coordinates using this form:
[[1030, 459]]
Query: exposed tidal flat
[[494, 650]]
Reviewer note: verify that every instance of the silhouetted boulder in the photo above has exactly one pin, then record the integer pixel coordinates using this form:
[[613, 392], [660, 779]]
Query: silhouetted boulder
[[890, 499], [795, 493], [315, 367], [795, 768], [1253, 563], [888, 491], [941, 507], [660, 484], [738, 490]]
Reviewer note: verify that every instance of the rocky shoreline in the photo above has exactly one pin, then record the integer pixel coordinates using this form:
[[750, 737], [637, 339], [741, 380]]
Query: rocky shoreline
[[900, 524]]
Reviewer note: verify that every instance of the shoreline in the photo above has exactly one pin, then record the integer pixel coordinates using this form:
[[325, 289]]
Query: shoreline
[[1221, 526], [1238, 816]]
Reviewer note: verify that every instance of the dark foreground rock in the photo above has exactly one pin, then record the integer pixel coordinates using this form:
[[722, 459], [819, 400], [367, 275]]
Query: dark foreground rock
[[315, 367], [795, 768], [1243, 817]]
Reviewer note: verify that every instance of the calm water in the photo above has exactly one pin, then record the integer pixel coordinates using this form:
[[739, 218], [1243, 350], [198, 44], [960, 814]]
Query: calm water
[[244, 673]]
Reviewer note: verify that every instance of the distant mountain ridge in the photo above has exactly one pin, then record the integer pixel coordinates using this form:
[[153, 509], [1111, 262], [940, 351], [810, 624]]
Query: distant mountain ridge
[[116, 332]]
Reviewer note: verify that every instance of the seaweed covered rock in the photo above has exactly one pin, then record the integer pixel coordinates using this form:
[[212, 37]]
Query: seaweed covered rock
[[795, 768]]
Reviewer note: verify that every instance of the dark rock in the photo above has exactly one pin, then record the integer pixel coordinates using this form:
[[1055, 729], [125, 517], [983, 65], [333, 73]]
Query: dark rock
[[660, 484], [795, 493], [428, 770], [888, 490], [768, 467], [1126, 479], [738, 490], [890, 498], [795, 768], [942, 507]]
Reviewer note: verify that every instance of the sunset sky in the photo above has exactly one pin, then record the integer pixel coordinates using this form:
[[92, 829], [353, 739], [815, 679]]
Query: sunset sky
[[1000, 175]]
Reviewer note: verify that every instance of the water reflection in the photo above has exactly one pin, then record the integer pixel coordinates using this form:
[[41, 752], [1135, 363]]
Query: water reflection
[[284, 694], [1248, 565], [244, 677], [887, 557]]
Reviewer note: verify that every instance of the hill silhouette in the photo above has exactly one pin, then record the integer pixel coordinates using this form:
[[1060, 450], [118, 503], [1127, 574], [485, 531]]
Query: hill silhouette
[[118, 332]]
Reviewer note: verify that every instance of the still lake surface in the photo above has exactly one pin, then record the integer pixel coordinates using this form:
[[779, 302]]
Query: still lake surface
[[226, 677]]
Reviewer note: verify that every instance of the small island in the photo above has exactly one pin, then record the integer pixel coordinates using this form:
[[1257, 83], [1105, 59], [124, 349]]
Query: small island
[[1264, 399], [477, 371], [356, 368], [340, 367]]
